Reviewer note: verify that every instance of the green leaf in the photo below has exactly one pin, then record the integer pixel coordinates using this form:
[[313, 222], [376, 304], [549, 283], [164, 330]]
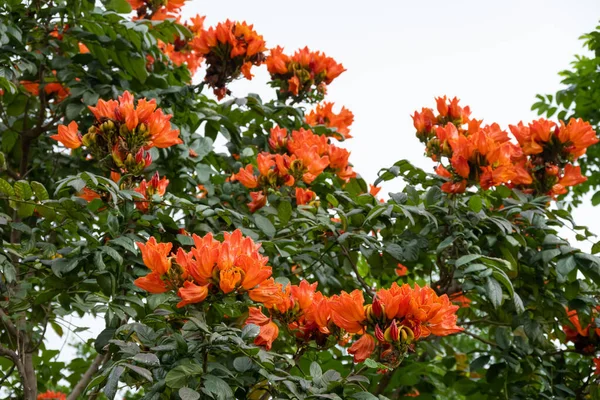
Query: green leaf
[[364, 396], [467, 259], [40, 191], [6, 188], [315, 370], [179, 376], [148, 359], [475, 203], [494, 292], [564, 266], [265, 225], [188, 394], [218, 387], [23, 190], [110, 389], [120, 6], [143, 372], [242, 364], [284, 211], [61, 266]]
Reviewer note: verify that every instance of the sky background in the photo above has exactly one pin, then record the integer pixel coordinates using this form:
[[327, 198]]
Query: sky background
[[399, 55]]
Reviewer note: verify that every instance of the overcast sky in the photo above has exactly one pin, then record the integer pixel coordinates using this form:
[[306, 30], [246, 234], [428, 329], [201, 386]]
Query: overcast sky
[[495, 56]]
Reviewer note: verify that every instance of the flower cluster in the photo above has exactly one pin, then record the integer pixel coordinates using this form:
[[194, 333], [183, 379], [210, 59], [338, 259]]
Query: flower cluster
[[122, 133], [53, 89], [181, 50], [156, 186], [209, 267], [540, 162], [50, 395], [156, 10], [297, 158], [323, 115], [397, 317], [586, 339], [230, 49], [302, 76]]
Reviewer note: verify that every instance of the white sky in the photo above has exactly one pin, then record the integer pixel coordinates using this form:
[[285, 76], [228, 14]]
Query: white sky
[[495, 56]]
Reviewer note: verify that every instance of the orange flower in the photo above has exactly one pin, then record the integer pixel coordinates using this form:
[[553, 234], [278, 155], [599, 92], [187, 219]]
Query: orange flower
[[596, 361], [50, 395], [304, 196], [338, 161], [272, 295], [68, 135], [155, 255], [374, 190], [152, 283], [246, 177], [203, 192], [191, 293], [268, 329], [577, 135], [259, 200], [278, 138], [362, 348], [303, 294], [442, 171], [324, 115], [455, 187], [421, 309], [304, 75], [155, 186], [89, 195], [83, 49], [401, 270], [243, 46], [424, 121], [306, 138], [572, 176], [347, 311]]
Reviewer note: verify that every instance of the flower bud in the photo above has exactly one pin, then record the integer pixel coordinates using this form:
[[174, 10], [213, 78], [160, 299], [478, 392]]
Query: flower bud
[[407, 336], [142, 129], [379, 333], [392, 334], [551, 169], [116, 155], [88, 139], [147, 159], [377, 307]]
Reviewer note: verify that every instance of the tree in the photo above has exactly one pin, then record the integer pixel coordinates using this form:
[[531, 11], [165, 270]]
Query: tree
[[271, 269], [580, 99]]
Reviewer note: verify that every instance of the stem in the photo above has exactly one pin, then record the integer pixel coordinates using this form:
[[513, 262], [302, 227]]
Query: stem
[[87, 376], [364, 284]]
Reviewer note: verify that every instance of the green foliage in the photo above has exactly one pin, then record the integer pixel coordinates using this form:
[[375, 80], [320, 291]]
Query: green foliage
[[580, 98], [63, 256]]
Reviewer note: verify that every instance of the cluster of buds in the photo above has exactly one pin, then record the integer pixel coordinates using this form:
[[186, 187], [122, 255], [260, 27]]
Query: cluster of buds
[[156, 10], [586, 339], [122, 134], [485, 155], [304, 76], [296, 158], [230, 50], [323, 115], [156, 186]]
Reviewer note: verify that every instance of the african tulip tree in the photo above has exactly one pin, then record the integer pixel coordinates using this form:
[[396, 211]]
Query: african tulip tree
[[269, 269]]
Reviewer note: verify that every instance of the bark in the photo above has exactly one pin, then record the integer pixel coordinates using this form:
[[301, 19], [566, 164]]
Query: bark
[[87, 376]]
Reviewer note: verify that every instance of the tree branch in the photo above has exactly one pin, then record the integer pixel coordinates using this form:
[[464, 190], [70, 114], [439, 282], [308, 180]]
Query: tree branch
[[87, 376], [14, 357], [482, 340], [364, 284]]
